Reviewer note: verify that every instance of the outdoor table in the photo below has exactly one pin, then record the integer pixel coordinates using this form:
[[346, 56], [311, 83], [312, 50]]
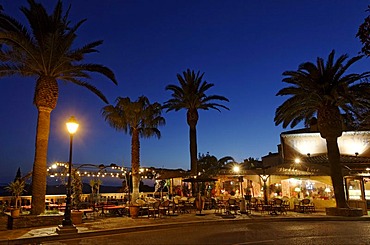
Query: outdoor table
[[118, 209]]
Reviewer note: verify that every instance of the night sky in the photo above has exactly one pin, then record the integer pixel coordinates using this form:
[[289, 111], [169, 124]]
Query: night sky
[[243, 47]]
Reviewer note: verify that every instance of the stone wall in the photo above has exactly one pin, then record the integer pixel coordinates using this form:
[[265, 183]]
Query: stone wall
[[25, 221]]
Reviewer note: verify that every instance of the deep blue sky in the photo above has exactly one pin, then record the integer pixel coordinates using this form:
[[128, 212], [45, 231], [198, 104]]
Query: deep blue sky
[[242, 46]]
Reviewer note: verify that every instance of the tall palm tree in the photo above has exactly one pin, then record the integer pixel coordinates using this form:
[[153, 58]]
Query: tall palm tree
[[191, 96], [46, 51], [323, 90], [140, 119]]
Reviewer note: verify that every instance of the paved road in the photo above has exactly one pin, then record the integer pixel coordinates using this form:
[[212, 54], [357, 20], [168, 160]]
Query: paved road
[[305, 233]]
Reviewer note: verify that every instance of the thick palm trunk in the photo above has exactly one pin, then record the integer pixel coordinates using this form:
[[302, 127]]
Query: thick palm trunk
[[330, 127], [39, 165], [45, 99], [192, 119], [336, 172], [135, 164], [193, 150]]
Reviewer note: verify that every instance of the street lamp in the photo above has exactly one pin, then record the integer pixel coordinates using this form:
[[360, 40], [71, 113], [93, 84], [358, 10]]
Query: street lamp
[[264, 178], [67, 225], [236, 170]]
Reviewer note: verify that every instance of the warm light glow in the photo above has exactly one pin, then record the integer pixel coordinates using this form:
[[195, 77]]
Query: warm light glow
[[327, 189], [297, 189], [264, 177], [54, 166], [297, 160], [72, 125], [236, 169]]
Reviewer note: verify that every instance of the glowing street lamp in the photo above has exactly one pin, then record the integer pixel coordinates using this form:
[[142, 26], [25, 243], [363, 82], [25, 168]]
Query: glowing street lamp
[[236, 169], [264, 177], [67, 225]]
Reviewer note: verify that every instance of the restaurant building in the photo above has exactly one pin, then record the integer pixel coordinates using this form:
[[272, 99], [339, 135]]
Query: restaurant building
[[301, 169]]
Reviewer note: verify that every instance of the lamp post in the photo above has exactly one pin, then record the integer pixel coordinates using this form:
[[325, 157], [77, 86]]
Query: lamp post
[[67, 224], [236, 170], [264, 178]]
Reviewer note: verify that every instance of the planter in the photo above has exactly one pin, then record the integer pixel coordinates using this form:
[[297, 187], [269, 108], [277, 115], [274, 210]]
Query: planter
[[15, 212], [134, 212], [76, 217]]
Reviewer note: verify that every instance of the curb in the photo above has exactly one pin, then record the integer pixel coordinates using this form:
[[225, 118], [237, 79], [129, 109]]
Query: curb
[[84, 234]]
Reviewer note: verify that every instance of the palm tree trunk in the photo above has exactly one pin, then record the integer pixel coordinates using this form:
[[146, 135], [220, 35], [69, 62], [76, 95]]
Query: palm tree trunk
[[336, 172], [193, 150], [135, 164], [39, 165], [192, 120]]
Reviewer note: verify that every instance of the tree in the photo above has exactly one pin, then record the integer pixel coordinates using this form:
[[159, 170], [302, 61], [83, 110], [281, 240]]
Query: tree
[[140, 119], [191, 96], [251, 163], [323, 90], [364, 34], [46, 51], [16, 188], [210, 166]]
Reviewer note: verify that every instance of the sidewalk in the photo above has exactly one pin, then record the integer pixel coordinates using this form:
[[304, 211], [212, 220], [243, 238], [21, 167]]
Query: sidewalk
[[111, 225]]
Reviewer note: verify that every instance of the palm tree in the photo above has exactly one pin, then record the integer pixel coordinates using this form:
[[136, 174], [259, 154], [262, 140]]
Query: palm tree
[[191, 96], [46, 51], [16, 188], [139, 119], [210, 166], [363, 34], [323, 90]]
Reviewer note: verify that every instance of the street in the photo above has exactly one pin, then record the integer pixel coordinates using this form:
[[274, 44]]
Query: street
[[302, 232]]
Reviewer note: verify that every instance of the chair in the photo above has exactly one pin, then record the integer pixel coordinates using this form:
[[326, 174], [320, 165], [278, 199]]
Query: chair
[[164, 207], [306, 206], [286, 203], [253, 204], [143, 207], [178, 206], [154, 209], [232, 205], [278, 206], [190, 204], [219, 206]]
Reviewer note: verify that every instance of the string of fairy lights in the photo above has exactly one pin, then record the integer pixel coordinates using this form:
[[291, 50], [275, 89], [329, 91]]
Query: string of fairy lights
[[60, 169]]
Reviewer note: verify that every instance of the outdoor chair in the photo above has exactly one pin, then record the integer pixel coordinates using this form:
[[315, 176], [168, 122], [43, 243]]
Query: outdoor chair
[[232, 205], [253, 204], [179, 206], [219, 206], [190, 204], [278, 206], [164, 208], [306, 206], [154, 209], [286, 203], [143, 207]]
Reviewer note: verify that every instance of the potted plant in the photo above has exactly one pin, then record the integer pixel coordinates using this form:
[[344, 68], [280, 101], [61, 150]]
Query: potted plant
[[16, 188], [134, 210]]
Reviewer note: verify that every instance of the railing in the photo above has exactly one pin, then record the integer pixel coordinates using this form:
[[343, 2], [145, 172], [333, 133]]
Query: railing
[[26, 200]]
